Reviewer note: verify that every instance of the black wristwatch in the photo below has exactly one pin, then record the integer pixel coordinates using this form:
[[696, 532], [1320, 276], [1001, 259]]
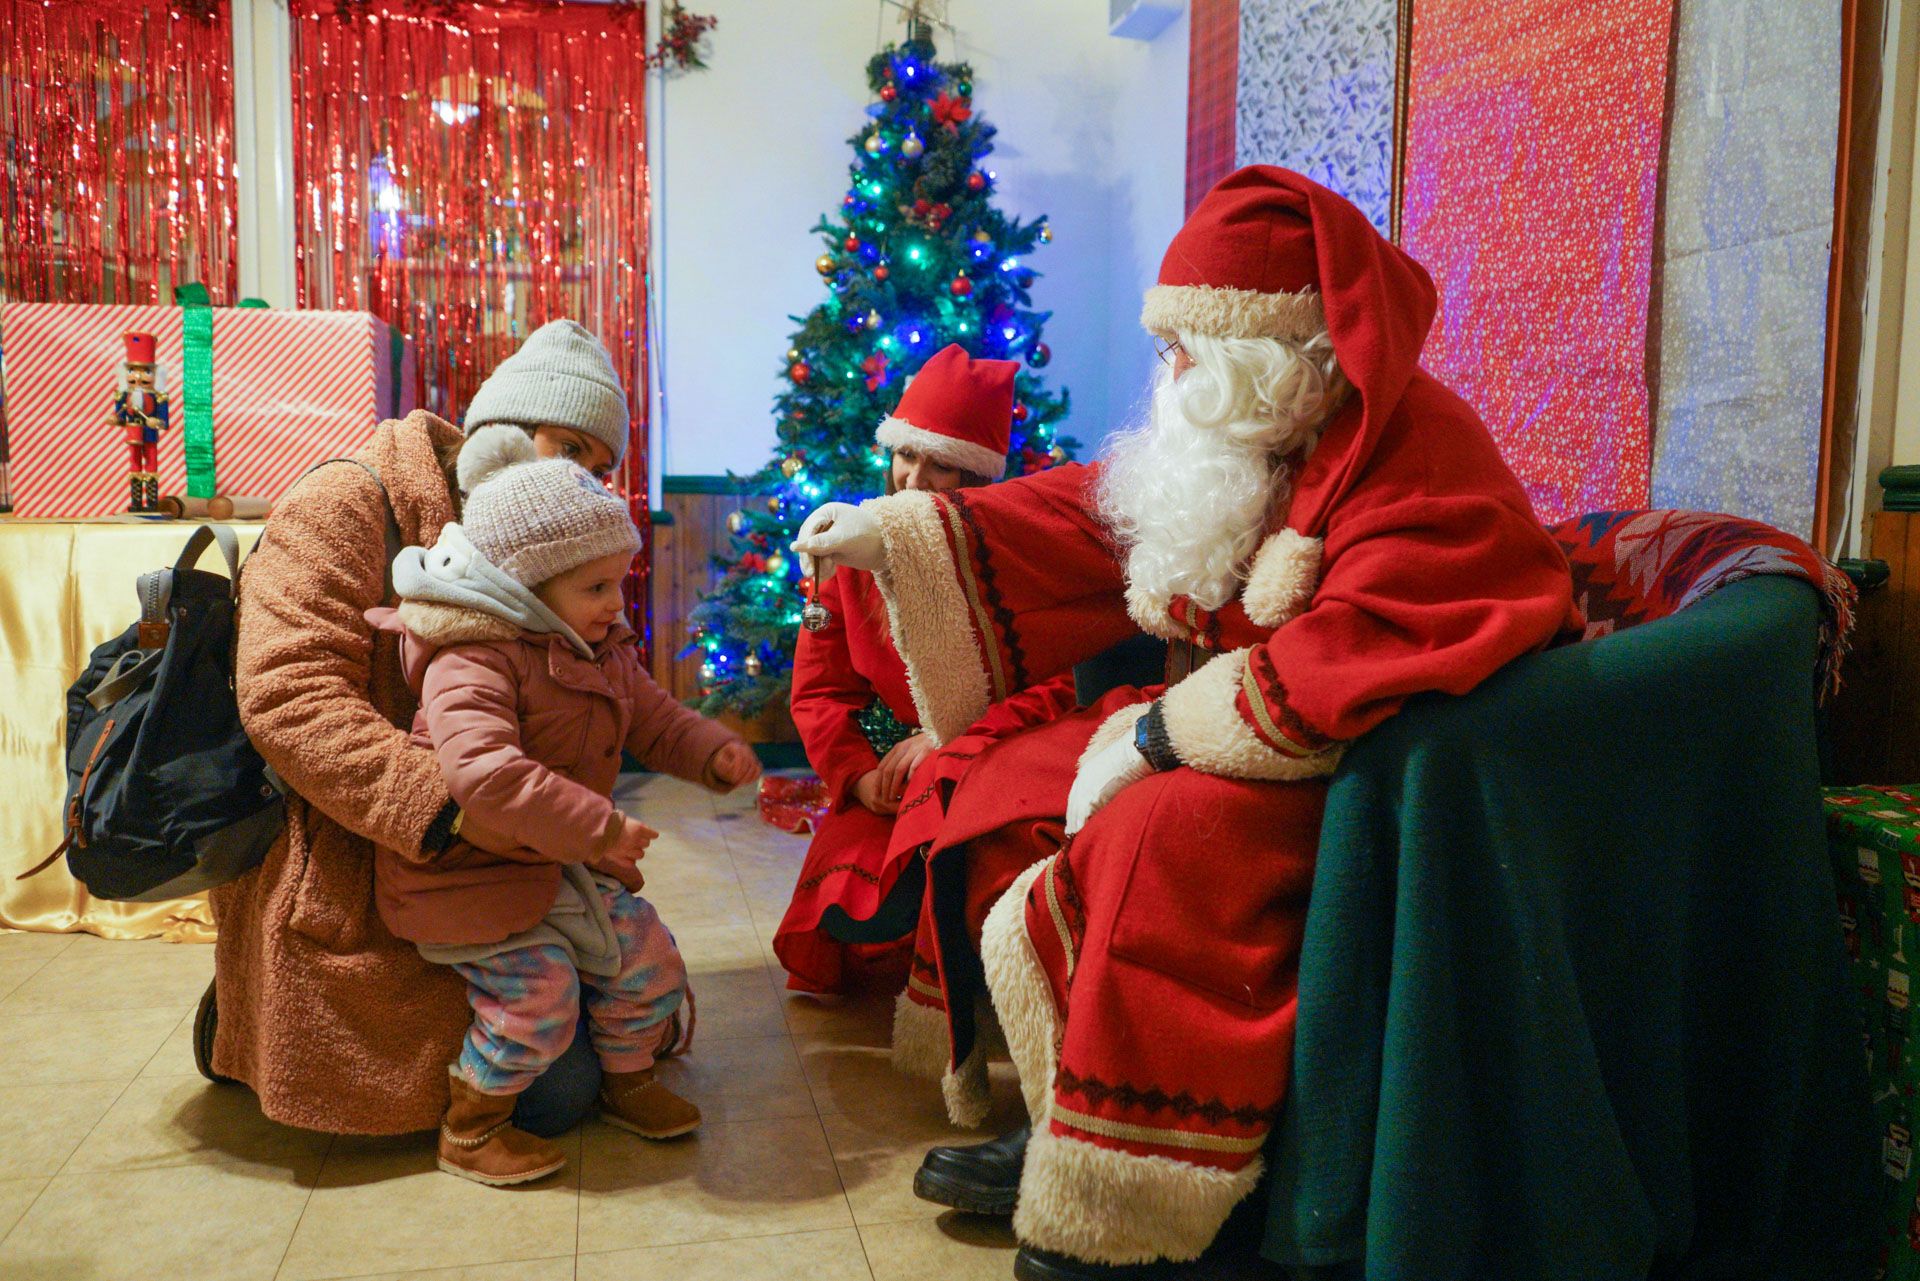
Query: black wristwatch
[[1150, 738]]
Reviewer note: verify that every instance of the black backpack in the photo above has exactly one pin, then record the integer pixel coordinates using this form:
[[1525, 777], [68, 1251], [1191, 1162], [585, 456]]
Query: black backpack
[[165, 794]]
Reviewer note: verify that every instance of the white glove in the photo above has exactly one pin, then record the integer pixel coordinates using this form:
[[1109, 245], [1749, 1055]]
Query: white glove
[[839, 534], [1100, 778]]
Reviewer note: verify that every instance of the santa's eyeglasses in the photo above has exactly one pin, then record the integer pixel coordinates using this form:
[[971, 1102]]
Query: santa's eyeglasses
[[1168, 349]]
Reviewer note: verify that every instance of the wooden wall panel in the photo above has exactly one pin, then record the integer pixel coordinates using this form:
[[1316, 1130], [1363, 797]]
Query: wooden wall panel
[[1876, 718]]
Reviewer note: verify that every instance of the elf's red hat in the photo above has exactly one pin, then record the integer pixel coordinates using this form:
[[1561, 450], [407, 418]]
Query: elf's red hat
[[958, 411], [140, 348]]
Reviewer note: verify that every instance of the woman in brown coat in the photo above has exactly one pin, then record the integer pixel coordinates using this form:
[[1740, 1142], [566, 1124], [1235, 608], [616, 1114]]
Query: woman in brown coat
[[332, 1021]]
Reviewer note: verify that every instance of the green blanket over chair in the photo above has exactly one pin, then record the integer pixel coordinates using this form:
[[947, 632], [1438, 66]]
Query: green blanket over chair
[[1573, 1000]]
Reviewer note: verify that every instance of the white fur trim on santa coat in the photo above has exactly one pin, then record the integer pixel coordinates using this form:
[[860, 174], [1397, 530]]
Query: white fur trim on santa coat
[[1233, 313], [933, 623], [1021, 998], [896, 432], [1106, 1206], [922, 1045], [1282, 577], [1149, 610], [1208, 733]]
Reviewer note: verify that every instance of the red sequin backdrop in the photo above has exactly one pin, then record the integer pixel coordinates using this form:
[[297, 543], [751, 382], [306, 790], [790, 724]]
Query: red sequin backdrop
[[1531, 173], [470, 170], [118, 169]]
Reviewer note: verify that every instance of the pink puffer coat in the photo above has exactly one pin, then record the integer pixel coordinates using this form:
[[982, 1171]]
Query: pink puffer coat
[[529, 734]]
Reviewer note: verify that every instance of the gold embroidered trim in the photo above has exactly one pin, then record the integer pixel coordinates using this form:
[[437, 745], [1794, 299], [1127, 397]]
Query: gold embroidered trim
[[1287, 747], [1155, 1134], [925, 988], [1059, 917], [957, 529]]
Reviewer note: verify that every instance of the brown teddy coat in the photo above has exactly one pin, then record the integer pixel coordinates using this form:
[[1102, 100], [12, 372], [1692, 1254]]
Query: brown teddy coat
[[335, 1023]]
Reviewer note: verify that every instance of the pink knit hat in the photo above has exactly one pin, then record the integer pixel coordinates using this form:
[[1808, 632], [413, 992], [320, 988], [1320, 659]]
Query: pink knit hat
[[537, 518]]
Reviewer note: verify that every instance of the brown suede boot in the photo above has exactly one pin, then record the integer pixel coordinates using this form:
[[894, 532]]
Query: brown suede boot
[[637, 1101], [478, 1140]]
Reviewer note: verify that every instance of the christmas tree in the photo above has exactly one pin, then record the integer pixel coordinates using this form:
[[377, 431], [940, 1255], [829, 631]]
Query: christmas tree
[[917, 258]]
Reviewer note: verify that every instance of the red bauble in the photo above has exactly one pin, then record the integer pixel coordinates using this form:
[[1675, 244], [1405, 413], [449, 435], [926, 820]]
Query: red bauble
[[852, 243], [799, 371], [976, 181], [881, 272], [961, 286], [888, 93], [1019, 412]]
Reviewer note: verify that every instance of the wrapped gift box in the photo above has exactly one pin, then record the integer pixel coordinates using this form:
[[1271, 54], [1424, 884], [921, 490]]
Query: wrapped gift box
[[288, 389], [1873, 834]]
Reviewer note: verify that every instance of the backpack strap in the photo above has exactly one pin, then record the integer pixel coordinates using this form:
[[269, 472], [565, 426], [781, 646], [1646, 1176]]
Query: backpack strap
[[395, 541], [156, 587]]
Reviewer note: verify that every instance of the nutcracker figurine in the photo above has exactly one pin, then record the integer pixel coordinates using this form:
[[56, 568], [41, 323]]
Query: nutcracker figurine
[[140, 407]]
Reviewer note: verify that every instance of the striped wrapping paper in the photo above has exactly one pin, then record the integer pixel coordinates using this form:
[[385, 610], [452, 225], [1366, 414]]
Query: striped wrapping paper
[[290, 389]]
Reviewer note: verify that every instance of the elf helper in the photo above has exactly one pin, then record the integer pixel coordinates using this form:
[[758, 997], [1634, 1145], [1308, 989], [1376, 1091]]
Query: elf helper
[[951, 429], [1319, 530]]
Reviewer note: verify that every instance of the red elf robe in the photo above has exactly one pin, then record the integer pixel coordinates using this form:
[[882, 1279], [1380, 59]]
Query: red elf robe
[[857, 857], [1143, 973]]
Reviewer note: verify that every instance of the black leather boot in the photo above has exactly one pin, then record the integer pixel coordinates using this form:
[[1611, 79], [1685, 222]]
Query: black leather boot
[[981, 1178], [1031, 1264]]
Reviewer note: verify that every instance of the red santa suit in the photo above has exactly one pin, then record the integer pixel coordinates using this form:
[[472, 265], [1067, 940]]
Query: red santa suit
[[1143, 972], [958, 411]]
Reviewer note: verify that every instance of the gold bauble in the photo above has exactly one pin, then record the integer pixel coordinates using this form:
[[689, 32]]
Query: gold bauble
[[791, 466], [773, 504], [1046, 233], [793, 354], [736, 521], [825, 265], [875, 144], [1057, 454], [912, 147], [752, 664]]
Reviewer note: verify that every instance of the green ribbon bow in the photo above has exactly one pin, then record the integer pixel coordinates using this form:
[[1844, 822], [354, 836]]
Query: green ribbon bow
[[196, 385]]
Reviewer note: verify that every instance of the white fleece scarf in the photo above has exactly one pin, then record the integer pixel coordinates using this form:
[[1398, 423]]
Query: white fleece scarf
[[454, 572]]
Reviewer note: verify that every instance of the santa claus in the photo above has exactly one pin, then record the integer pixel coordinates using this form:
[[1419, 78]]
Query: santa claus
[[1319, 530]]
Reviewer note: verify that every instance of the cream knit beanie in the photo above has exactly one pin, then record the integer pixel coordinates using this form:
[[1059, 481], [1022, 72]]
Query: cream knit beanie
[[561, 375], [536, 518]]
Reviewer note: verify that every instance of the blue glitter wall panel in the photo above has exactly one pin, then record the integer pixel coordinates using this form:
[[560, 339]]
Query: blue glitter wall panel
[[1741, 307], [1316, 94]]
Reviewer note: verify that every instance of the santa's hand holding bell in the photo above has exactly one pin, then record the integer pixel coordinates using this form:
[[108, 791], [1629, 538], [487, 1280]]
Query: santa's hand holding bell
[[838, 534]]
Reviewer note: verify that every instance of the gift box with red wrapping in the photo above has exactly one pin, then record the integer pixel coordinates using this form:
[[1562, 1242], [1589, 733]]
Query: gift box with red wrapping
[[281, 391]]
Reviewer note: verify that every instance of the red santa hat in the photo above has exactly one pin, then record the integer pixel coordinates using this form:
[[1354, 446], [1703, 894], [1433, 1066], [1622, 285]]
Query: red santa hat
[[1269, 253], [958, 411], [140, 348]]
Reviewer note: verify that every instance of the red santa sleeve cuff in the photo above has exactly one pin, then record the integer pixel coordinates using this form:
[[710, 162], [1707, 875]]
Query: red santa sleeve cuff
[[1230, 718], [935, 608]]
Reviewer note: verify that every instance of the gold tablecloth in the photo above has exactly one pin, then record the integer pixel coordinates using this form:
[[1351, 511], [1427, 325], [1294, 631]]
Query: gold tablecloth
[[66, 586]]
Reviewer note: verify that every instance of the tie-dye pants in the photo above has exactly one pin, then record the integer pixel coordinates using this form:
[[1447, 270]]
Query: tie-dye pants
[[526, 1003]]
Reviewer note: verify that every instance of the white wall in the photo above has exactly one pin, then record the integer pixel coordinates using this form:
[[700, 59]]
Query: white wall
[[750, 152]]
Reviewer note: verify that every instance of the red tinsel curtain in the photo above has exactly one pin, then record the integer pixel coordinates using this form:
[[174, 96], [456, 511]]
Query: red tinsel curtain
[[471, 169], [117, 119]]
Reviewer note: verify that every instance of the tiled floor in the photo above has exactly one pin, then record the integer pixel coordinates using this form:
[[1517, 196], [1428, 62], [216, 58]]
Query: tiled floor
[[116, 1160]]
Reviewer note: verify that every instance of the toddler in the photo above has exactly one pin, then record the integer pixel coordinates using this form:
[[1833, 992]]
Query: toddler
[[530, 687]]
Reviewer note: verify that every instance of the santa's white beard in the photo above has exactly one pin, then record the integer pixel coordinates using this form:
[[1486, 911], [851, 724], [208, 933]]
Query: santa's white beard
[[1190, 503]]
